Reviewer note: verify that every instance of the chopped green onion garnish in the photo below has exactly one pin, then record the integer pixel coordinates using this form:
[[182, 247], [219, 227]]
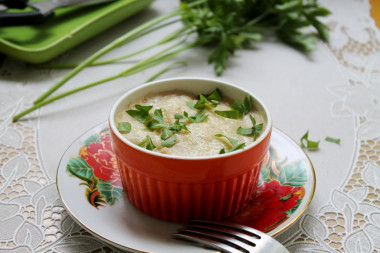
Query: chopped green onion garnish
[[142, 142], [234, 143], [330, 139], [306, 143], [124, 127]]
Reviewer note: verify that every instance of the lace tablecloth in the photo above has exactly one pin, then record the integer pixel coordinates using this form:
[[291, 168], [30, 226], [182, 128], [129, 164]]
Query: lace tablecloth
[[333, 91]]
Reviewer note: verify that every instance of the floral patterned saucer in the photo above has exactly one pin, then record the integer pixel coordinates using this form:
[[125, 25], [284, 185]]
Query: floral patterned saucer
[[89, 186]]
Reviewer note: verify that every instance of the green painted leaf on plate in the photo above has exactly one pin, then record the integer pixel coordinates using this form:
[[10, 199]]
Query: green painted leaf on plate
[[291, 211], [111, 193], [264, 173], [293, 175], [78, 167], [93, 138]]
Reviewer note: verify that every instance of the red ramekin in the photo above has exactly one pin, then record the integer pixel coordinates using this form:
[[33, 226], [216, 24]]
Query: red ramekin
[[177, 189]]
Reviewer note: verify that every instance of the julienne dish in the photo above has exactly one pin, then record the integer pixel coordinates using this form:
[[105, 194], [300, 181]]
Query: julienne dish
[[89, 185], [178, 188], [183, 124]]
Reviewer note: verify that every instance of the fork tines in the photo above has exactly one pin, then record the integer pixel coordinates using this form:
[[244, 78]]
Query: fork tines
[[227, 237]]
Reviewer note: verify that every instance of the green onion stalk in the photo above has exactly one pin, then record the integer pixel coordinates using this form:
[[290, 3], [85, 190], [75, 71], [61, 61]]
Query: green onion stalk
[[140, 66]]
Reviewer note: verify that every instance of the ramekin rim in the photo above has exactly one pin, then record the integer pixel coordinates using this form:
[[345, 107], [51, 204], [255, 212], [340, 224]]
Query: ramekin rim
[[113, 128]]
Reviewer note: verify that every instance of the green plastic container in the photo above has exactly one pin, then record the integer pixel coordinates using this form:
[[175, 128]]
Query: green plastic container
[[70, 27]]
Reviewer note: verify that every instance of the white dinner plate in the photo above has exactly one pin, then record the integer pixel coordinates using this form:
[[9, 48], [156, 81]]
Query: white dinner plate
[[93, 195]]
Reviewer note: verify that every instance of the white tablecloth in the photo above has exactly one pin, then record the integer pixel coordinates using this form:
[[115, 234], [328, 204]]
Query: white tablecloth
[[333, 91]]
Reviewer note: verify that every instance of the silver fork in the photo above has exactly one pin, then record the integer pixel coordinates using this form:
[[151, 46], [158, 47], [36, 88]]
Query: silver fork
[[229, 237]]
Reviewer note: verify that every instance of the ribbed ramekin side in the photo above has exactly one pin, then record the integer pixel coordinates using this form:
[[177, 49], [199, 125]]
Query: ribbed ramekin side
[[180, 202]]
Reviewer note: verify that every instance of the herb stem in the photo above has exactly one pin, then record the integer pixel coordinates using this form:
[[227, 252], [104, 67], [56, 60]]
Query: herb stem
[[66, 65], [166, 69], [97, 63], [142, 65], [116, 43], [57, 97], [257, 19], [158, 56]]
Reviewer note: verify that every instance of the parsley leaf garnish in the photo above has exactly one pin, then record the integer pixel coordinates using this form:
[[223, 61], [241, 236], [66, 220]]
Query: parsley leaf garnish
[[255, 130], [191, 104], [157, 120], [168, 137], [169, 141], [239, 108], [150, 145], [166, 134], [211, 99], [248, 104], [178, 116], [244, 131], [197, 118], [141, 114], [201, 103], [124, 127], [178, 126], [234, 143], [232, 114], [214, 97]]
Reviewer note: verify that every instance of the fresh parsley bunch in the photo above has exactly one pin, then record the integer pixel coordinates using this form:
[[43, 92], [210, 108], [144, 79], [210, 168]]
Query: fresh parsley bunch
[[228, 25]]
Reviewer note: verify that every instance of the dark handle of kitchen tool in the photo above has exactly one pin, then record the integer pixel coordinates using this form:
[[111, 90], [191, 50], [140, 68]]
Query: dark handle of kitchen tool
[[24, 18], [17, 4]]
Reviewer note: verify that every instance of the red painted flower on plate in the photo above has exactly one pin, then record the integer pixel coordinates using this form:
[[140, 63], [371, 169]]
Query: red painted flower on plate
[[269, 206], [100, 156]]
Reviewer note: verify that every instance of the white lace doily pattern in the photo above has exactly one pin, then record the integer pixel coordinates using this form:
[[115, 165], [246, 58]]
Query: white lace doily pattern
[[32, 219], [350, 222]]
